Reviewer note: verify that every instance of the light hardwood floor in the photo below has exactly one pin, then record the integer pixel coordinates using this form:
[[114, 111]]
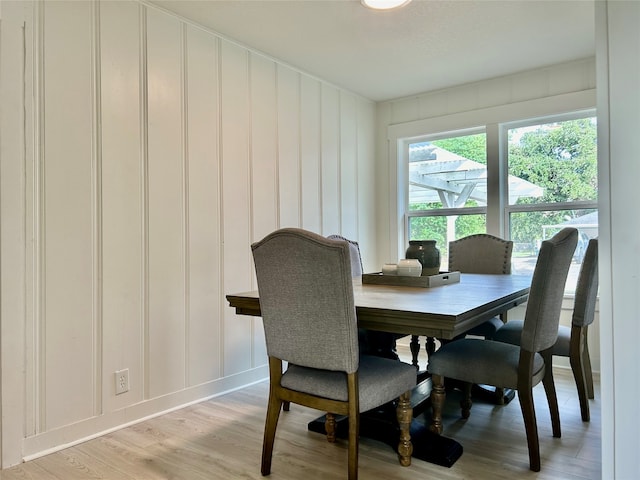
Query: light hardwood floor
[[222, 439]]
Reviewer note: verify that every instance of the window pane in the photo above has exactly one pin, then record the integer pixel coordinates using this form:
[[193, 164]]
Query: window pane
[[553, 162], [528, 229], [448, 173], [444, 229]]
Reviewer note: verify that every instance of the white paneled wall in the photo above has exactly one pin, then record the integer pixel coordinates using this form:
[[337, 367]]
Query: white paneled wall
[[123, 226], [310, 154], [289, 147], [156, 152], [329, 173], [68, 320], [203, 209], [348, 173], [165, 295]]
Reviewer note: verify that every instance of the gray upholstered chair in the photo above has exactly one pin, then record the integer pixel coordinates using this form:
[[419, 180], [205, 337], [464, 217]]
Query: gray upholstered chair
[[372, 342], [480, 253], [474, 360], [572, 341], [354, 250], [306, 294]]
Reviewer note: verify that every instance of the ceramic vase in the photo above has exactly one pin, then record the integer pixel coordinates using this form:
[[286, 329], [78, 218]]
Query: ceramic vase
[[426, 252]]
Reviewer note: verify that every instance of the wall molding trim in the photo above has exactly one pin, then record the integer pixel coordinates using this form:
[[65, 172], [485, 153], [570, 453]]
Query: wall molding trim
[[59, 439]]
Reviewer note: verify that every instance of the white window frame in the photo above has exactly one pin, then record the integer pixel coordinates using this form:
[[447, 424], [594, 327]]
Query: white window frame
[[537, 207], [446, 211], [494, 121]]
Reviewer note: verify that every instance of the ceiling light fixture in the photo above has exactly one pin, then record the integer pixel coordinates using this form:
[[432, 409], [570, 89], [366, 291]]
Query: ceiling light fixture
[[384, 4]]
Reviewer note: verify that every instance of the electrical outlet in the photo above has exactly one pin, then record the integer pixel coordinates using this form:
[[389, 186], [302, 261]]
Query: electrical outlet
[[122, 381]]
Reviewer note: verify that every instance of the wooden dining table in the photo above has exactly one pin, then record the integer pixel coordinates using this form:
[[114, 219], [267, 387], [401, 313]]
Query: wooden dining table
[[444, 312]]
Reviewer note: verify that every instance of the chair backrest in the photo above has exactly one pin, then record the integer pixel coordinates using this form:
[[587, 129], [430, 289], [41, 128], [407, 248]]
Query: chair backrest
[[542, 316], [481, 253], [306, 299], [587, 287], [354, 250]]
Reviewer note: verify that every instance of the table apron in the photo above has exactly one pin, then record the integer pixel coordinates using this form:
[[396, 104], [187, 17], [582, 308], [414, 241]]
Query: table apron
[[431, 326], [393, 321]]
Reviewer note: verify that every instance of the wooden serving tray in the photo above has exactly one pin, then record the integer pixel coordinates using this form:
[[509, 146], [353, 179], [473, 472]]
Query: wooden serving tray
[[443, 278]]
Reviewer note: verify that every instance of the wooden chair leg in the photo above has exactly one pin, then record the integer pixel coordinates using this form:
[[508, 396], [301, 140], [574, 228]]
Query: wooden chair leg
[[404, 413], [354, 439], [465, 402], [353, 412], [576, 359], [552, 398], [579, 376], [581, 368], [586, 361], [330, 427], [525, 396], [438, 397], [271, 422]]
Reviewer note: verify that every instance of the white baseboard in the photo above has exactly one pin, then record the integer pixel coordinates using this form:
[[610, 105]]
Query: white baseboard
[[70, 435]]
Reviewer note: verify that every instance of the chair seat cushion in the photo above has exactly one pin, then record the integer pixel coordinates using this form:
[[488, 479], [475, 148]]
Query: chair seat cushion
[[487, 329], [482, 361], [511, 331], [561, 347], [380, 380]]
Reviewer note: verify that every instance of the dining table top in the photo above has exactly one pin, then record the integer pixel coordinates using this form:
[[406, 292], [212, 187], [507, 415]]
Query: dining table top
[[444, 311]]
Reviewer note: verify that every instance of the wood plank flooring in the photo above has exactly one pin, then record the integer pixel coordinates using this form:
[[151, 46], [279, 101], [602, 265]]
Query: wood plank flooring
[[222, 439]]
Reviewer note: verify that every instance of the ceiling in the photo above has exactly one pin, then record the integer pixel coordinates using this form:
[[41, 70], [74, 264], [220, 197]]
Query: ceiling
[[423, 46]]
